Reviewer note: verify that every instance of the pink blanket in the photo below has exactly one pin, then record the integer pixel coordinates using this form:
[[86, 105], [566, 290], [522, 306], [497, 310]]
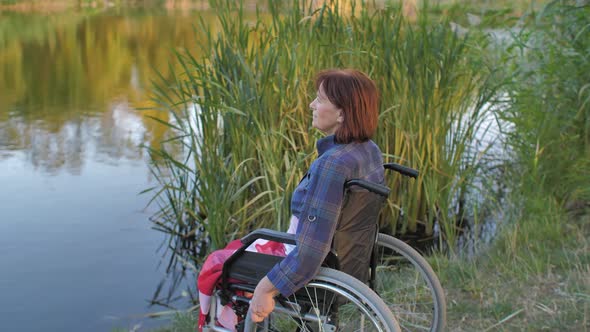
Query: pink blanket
[[211, 272]]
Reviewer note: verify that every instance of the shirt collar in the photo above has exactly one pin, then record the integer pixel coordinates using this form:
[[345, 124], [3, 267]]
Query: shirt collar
[[325, 143]]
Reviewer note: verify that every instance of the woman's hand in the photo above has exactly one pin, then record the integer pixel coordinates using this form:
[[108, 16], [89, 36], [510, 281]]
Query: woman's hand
[[263, 302]]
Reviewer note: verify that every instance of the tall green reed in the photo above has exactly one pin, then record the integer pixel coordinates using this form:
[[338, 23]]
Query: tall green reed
[[551, 102], [434, 97], [252, 85]]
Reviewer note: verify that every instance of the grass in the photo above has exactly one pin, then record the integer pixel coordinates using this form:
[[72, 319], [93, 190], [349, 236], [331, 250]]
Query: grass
[[533, 278], [179, 322], [535, 275]]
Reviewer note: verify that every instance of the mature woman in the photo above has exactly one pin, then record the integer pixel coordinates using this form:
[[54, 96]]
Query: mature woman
[[346, 110]]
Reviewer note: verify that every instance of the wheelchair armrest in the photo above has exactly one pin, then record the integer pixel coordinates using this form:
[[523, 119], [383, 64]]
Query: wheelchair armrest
[[232, 264], [370, 186], [403, 170], [268, 234]]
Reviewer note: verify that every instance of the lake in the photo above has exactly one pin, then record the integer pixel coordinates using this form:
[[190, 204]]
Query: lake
[[76, 249]]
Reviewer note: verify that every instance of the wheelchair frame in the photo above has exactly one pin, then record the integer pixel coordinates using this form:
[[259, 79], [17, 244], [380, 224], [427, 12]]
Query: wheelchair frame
[[260, 264]]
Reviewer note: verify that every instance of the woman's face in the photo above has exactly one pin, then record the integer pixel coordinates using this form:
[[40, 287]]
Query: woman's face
[[326, 116]]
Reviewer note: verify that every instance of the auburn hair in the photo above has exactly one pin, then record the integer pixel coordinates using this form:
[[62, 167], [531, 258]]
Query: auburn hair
[[356, 95]]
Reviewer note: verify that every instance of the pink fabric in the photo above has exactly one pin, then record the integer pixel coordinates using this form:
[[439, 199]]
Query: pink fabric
[[211, 272], [270, 248], [213, 266]]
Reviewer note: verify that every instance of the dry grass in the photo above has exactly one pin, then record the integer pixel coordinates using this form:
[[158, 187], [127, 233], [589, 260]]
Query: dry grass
[[543, 285]]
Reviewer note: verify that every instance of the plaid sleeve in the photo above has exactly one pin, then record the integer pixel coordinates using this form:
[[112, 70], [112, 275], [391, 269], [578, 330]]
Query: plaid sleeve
[[318, 219]]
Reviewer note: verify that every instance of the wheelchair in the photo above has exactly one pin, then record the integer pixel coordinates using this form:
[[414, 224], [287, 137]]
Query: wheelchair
[[378, 284]]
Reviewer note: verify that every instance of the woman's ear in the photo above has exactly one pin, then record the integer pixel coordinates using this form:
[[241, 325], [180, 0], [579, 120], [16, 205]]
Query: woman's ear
[[340, 118]]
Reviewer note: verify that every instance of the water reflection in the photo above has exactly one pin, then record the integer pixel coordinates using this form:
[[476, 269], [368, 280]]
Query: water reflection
[[70, 83], [73, 229]]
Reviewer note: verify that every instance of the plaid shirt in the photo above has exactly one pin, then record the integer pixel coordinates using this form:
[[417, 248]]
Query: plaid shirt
[[317, 202]]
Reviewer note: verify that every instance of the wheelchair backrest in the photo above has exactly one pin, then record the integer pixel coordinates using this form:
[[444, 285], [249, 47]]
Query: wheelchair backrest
[[356, 232]]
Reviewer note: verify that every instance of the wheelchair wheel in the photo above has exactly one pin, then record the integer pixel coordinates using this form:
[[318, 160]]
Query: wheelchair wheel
[[408, 285], [332, 301]]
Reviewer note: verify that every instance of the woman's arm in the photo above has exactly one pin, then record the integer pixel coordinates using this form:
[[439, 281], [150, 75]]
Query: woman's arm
[[318, 220]]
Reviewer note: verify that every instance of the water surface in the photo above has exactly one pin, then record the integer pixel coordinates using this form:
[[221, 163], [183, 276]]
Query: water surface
[[76, 249]]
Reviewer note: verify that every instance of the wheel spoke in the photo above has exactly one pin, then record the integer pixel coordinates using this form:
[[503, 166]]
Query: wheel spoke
[[407, 284]]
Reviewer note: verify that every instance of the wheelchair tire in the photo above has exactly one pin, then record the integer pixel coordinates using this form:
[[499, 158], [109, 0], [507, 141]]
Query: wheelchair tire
[[408, 285], [332, 301]]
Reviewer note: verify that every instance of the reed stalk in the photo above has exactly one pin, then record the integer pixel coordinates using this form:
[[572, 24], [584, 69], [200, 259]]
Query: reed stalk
[[248, 92]]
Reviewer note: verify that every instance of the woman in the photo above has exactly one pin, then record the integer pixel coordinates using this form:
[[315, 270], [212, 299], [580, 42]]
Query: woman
[[346, 110]]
